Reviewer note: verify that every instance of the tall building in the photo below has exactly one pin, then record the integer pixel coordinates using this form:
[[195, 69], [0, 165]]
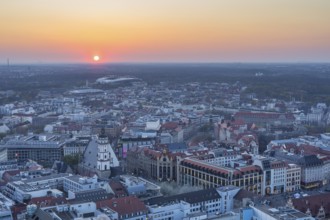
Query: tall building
[[151, 163], [106, 157], [275, 175], [202, 204], [44, 149], [311, 171], [293, 178], [193, 172], [99, 158]]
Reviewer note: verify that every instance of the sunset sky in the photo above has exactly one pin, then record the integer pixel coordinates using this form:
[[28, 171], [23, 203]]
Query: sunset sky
[[34, 31]]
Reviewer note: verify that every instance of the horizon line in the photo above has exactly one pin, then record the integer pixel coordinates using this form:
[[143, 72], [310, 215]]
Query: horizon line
[[161, 62]]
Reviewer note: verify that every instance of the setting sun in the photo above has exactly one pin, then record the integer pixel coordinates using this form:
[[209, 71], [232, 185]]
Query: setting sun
[[96, 58]]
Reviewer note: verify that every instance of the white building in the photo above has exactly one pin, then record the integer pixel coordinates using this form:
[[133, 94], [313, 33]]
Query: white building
[[275, 175], [153, 125], [106, 157], [139, 186], [80, 209], [311, 171], [223, 157], [99, 157], [326, 171], [314, 117], [6, 165], [4, 129], [76, 146], [204, 203], [166, 138], [78, 183], [5, 204], [293, 177], [263, 212], [3, 154], [175, 211], [23, 190]]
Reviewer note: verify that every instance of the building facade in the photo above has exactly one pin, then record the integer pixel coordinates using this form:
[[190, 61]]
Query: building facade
[[207, 203], [154, 164], [223, 157], [78, 183], [43, 149], [275, 175], [76, 146], [293, 178], [194, 172], [311, 171], [23, 190]]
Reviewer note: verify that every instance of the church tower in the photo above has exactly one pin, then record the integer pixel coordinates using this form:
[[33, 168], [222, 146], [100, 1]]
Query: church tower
[[106, 157]]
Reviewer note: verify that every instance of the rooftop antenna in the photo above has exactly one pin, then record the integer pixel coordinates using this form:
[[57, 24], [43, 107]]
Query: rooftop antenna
[[8, 65]]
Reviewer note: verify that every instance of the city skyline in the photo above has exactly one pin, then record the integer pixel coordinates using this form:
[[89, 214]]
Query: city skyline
[[152, 31]]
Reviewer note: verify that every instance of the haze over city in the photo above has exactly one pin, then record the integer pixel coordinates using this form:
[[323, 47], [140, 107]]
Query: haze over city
[[74, 31], [164, 110]]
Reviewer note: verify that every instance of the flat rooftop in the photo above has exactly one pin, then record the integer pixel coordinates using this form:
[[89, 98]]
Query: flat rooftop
[[30, 185], [281, 212], [132, 180]]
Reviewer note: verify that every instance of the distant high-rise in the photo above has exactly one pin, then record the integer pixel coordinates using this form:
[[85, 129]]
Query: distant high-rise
[[8, 65]]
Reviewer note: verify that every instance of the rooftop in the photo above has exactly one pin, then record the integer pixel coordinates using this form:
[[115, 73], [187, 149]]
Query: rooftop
[[32, 141], [124, 205], [281, 212], [190, 197], [129, 180], [30, 185], [82, 179], [313, 202]]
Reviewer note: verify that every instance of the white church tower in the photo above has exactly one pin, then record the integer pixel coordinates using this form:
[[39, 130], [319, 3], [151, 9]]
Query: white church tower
[[106, 157]]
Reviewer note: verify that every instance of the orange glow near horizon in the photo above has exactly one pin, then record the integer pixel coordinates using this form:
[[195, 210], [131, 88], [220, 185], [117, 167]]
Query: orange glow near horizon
[[152, 31]]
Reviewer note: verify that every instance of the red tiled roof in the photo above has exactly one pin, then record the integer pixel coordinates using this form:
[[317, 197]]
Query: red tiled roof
[[205, 165], [246, 156], [124, 205], [170, 125], [151, 153], [118, 189], [249, 168], [306, 148], [313, 203], [199, 152], [47, 201], [247, 135], [16, 209], [6, 176], [278, 164], [263, 115]]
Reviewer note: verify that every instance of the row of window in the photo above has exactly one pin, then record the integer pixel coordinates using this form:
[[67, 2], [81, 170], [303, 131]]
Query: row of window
[[163, 214]]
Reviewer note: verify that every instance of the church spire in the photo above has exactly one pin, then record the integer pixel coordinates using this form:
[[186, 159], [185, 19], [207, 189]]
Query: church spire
[[102, 134]]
